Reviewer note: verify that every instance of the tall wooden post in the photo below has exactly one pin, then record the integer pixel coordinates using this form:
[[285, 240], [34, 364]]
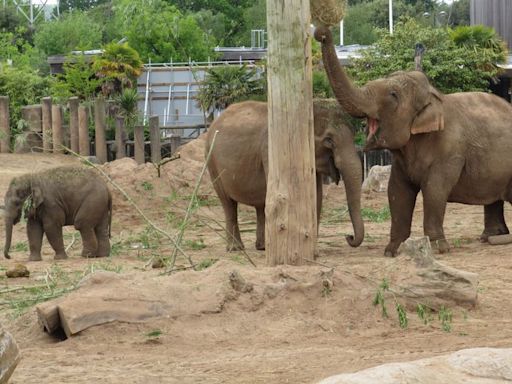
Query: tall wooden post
[[100, 125], [57, 133], [138, 135], [120, 138], [83, 132], [5, 128], [46, 104], [291, 227], [73, 124], [154, 134]]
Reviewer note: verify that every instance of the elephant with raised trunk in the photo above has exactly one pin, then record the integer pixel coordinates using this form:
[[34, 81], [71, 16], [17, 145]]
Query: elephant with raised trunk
[[239, 163], [452, 148], [51, 199]]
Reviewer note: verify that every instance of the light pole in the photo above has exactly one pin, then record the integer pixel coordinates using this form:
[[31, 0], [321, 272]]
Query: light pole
[[390, 17]]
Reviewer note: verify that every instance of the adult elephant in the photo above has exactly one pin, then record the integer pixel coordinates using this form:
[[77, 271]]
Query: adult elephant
[[239, 163], [454, 148], [51, 199]]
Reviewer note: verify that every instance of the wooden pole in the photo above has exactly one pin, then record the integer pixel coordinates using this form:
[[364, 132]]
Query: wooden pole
[[5, 128], [154, 134], [291, 192], [73, 124], [57, 133], [100, 124], [120, 138], [139, 144], [83, 132], [46, 104]]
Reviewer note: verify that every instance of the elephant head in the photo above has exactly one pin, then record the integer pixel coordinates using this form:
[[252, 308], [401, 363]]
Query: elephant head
[[336, 154], [396, 107], [19, 190]]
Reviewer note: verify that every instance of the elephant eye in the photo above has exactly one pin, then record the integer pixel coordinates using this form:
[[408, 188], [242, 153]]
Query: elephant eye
[[329, 142], [394, 95]]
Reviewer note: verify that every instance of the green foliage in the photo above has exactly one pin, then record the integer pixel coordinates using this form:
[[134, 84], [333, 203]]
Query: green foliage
[[119, 66], [72, 31], [78, 5], [424, 313], [481, 39], [321, 86], [403, 321], [449, 67], [161, 33], [225, 85], [78, 79], [383, 214], [445, 317], [127, 101], [195, 245], [206, 263], [379, 300]]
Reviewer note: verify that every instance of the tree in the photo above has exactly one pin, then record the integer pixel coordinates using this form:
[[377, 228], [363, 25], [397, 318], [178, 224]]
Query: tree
[[160, 32], [459, 13], [73, 31], [79, 5], [451, 68]]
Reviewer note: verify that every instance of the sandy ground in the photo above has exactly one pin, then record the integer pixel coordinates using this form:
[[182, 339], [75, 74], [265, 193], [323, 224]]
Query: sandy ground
[[298, 336]]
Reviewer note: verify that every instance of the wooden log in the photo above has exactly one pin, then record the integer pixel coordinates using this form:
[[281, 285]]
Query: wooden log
[[83, 132], [500, 239], [5, 128], [175, 143], [120, 138], [9, 355], [154, 133], [291, 226], [46, 104], [48, 316], [100, 124], [139, 144], [73, 124], [57, 131]]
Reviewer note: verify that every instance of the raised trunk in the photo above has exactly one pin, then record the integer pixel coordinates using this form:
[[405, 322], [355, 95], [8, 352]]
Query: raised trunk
[[8, 237], [350, 168], [352, 99]]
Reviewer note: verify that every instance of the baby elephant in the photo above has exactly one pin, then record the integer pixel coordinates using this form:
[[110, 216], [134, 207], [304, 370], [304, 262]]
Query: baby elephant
[[67, 195]]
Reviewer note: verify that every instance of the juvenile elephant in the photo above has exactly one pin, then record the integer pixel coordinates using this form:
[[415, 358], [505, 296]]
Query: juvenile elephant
[[68, 195], [239, 163], [454, 148]]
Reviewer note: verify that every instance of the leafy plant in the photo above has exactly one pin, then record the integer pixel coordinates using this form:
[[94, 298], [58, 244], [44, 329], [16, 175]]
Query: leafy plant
[[196, 245], [206, 263], [383, 214], [445, 316]]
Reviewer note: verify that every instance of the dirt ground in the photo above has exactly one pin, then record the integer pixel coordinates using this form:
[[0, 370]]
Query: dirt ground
[[298, 335]]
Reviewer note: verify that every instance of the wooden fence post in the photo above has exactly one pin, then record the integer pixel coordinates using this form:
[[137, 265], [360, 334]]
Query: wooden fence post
[[154, 134], [57, 134], [73, 124], [5, 128], [139, 144], [120, 138], [46, 104], [99, 129], [83, 132]]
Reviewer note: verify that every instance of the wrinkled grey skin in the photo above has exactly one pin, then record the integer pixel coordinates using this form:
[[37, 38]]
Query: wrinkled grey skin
[[452, 148], [68, 195], [239, 163]]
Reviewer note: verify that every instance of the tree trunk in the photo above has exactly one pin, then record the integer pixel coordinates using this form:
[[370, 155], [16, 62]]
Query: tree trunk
[[100, 125], [5, 129], [46, 103], [291, 226], [57, 133], [73, 123]]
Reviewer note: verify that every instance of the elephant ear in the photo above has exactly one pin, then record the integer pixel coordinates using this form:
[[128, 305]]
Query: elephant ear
[[37, 197], [430, 118]]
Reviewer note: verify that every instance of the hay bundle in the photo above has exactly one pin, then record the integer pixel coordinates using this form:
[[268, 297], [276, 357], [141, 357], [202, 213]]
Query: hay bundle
[[327, 12]]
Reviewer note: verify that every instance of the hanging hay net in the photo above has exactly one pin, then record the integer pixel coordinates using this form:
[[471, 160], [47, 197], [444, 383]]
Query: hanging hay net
[[327, 12]]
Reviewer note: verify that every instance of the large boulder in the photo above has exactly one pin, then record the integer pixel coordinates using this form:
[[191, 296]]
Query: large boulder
[[470, 366], [9, 355], [377, 179]]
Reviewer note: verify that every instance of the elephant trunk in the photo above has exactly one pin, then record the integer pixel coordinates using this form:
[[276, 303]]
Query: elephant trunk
[[352, 99], [8, 237], [349, 165]]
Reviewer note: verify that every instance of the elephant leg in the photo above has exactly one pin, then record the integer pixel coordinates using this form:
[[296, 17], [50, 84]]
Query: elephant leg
[[35, 239], [494, 221], [402, 199], [232, 230], [319, 200], [260, 228], [54, 236], [436, 190], [89, 241], [101, 232]]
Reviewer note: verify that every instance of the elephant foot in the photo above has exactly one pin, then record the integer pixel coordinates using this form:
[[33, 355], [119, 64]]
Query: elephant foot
[[60, 256], [484, 237], [235, 247], [391, 250], [35, 257], [441, 245]]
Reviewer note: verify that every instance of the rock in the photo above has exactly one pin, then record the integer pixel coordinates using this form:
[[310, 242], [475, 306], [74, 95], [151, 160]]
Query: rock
[[470, 366], [19, 270], [9, 355], [422, 279], [377, 179]]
